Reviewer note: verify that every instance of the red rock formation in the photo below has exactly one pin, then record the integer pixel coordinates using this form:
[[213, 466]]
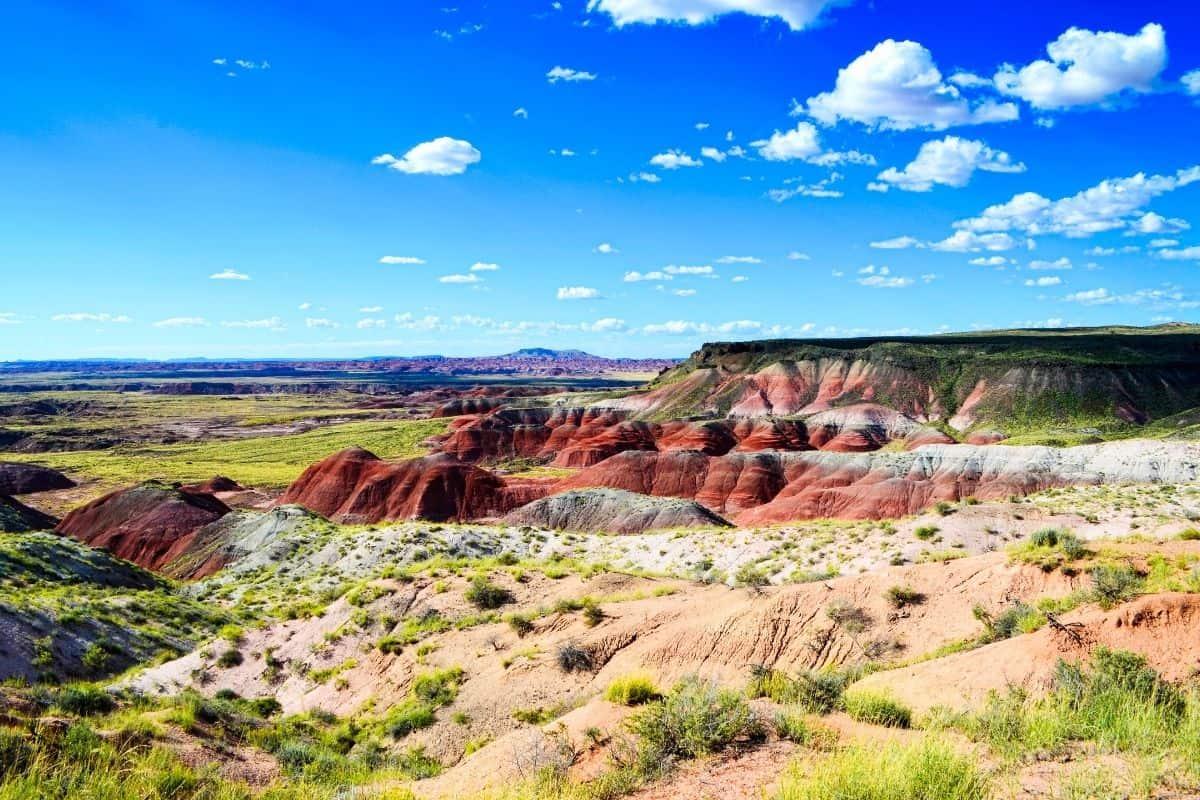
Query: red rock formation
[[355, 486], [149, 524]]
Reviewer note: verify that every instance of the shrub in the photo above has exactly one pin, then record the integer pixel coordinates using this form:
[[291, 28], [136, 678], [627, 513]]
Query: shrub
[[1016, 618], [520, 623], [15, 752], [573, 658], [943, 508], [631, 690], [750, 575], [926, 532], [96, 657], [439, 687], [1190, 535], [820, 691], [901, 596], [791, 725], [486, 595], [593, 615], [231, 633], [84, 699], [927, 770], [876, 709], [771, 683], [229, 658], [1115, 584], [695, 718], [415, 763], [408, 716]]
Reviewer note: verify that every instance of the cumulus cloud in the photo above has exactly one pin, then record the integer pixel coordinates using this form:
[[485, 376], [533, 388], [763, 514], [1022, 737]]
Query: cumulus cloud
[[897, 86], [320, 322], [577, 293], [634, 276], [87, 316], [1088, 67], [569, 75], [674, 159], [834, 158], [269, 323], [605, 325], [796, 14], [950, 162], [683, 292], [739, 260], [882, 278], [182, 322], [370, 309], [1186, 254], [644, 177], [800, 142], [364, 324], [971, 242], [484, 266], [1152, 223], [713, 153], [738, 279], [1158, 298], [796, 255], [9, 318], [441, 156], [1060, 263], [1111, 204], [795, 188], [229, 275], [1047, 280], [401, 260], [521, 113], [679, 327], [674, 269], [989, 261], [1191, 82], [460, 278], [605, 248], [898, 243]]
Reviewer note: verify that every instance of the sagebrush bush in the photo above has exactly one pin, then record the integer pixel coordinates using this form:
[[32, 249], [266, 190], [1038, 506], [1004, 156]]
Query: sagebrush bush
[[84, 699], [631, 690], [876, 709], [1114, 584], [486, 595], [695, 718]]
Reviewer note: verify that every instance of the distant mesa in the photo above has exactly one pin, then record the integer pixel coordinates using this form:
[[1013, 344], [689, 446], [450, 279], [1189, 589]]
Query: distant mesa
[[613, 511], [30, 478], [543, 352]]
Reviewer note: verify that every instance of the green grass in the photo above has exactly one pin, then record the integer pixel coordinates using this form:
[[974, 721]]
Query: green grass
[[929, 770], [265, 461], [632, 690], [876, 709]]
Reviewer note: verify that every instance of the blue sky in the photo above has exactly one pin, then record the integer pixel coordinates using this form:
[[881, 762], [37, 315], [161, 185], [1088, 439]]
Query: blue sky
[[631, 177]]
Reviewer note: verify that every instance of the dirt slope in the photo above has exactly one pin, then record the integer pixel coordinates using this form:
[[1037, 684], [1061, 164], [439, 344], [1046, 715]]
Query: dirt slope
[[613, 510]]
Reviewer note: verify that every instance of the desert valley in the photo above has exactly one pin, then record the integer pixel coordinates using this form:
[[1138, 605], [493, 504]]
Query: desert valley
[[772, 567]]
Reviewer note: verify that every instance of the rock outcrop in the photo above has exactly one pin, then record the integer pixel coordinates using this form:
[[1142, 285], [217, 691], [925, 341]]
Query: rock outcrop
[[149, 524], [355, 486], [18, 478], [613, 511], [761, 488], [15, 516], [237, 535]]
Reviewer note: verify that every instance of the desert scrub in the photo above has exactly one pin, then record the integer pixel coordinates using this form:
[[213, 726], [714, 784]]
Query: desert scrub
[[632, 690], [485, 595], [901, 596], [570, 657], [1050, 548], [1113, 584], [927, 770], [876, 709], [694, 719]]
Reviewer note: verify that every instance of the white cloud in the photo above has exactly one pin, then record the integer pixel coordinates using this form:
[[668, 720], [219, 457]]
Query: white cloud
[[1046, 280], [796, 14], [1153, 223], [440, 156], [674, 159], [370, 309], [605, 325], [898, 243], [229, 275], [1088, 67], [320, 322], [270, 323], [882, 278], [683, 292], [951, 162], [679, 327], [363, 324], [1112, 251], [635, 276], [833, 158], [566, 152], [644, 177], [701, 126], [989, 261], [460, 278], [484, 266], [738, 279], [968, 80], [739, 260], [408, 321], [84, 316], [674, 269], [304, 306], [1111, 204], [897, 86], [796, 255], [401, 260], [803, 141], [182, 322], [1191, 82], [521, 113], [1167, 297], [1186, 254], [1164, 243], [577, 293], [794, 189], [971, 242], [714, 153], [1061, 263], [569, 75], [604, 248], [9, 318]]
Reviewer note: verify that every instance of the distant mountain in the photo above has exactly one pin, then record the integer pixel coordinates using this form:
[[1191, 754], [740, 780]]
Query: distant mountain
[[545, 352]]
